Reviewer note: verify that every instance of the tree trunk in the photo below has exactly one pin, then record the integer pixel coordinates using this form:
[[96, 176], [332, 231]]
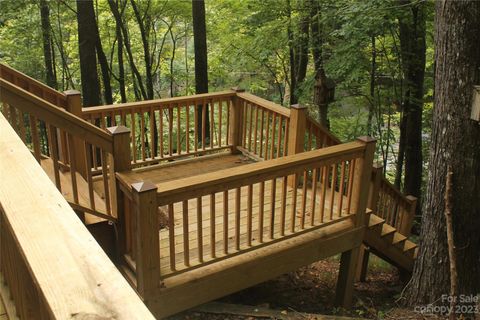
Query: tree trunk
[[102, 60], [47, 45], [455, 143], [121, 68], [87, 39], [412, 43], [320, 90], [201, 67]]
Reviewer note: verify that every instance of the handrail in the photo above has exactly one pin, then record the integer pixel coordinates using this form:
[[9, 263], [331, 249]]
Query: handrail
[[264, 103], [33, 86], [53, 265], [88, 111], [255, 172], [27, 102]]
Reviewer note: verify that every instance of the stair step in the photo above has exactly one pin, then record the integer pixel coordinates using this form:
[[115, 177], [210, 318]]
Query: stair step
[[410, 248], [399, 240], [388, 232], [375, 223]]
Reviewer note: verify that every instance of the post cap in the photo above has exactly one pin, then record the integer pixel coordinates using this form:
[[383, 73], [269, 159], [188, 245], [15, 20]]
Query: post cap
[[118, 130], [71, 92], [378, 165], [143, 186], [298, 106], [366, 139], [237, 89]]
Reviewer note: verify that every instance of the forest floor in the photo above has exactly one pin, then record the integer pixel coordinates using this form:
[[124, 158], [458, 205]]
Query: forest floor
[[311, 290]]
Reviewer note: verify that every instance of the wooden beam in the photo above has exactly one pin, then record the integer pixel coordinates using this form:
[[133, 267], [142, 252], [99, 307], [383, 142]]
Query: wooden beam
[[71, 272]]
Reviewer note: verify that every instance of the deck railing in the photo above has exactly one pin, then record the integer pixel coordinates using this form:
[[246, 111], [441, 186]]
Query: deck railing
[[386, 200], [215, 216], [166, 129], [73, 152], [51, 264]]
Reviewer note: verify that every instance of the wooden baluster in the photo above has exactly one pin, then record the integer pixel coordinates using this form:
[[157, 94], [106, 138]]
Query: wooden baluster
[[35, 138], [244, 123], [227, 131], [325, 170], [88, 160], [171, 236], [21, 125], [147, 240], [255, 132], [103, 123], [220, 111], [261, 204], [212, 226], [309, 138], [142, 134], [351, 176], [134, 136], [199, 230], [286, 135], [204, 124], [273, 192], [267, 132], [293, 207], [104, 160], [187, 129], [250, 125], [152, 133], [54, 155], [332, 189], [260, 152], [304, 199], [170, 130], [249, 214], [341, 189], [160, 130], [313, 196], [237, 218], [73, 169], [279, 134], [212, 124], [225, 222], [272, 144], [179, 130], [195, 113], [186, 241], [283, 206]]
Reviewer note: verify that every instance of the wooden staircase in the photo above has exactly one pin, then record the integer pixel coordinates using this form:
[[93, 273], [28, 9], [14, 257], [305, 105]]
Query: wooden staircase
[[386, 242]]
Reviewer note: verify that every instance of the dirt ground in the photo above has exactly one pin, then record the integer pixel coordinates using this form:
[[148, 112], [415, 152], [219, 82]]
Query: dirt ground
[[311, 290]]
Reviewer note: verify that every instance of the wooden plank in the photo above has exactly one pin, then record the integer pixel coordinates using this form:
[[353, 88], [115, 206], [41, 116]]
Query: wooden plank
[[73, 273]]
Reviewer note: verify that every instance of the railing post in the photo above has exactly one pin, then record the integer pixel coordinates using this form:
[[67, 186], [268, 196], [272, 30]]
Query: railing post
[[119, 160], [236, 121], [349, 259], [296, 130], [408, 216], [147, 239], [74, 106]]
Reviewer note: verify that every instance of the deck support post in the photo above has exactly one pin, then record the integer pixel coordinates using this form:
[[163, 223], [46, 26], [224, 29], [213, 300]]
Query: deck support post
[[119, 160], [147, 239], [74, 106], [360, 195], [408, 216], [296, 133], [364, 253], [236, 121]]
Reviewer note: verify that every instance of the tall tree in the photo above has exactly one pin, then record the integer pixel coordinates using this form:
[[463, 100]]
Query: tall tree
[[455, 144], [412, 48], [48, 53], [201, 66], [87, 41]]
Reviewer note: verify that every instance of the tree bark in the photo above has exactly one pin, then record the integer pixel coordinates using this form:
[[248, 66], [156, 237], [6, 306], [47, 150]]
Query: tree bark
[[87, 39], [201, 66], [412, 43], [455, 143], [48, 54]]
